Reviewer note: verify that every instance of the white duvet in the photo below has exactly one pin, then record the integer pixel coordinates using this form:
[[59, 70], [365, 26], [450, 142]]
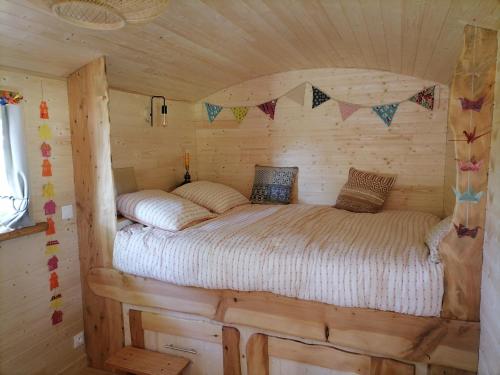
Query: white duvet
[[309, 252]]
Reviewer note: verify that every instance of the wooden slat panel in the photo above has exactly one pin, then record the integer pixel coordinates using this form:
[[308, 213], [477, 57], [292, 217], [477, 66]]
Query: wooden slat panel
[[30, 343], [324, 146], [199, 330], [417, 339], [95, 204], [317, 355], [231, 347], [180, 53]]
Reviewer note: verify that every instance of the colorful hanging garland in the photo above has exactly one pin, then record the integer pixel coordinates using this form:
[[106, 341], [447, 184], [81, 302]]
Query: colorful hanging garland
[[49, 208], [9, 97], [385, 112]]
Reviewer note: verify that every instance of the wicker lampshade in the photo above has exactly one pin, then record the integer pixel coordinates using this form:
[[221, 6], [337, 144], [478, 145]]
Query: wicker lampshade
[[107, 14]]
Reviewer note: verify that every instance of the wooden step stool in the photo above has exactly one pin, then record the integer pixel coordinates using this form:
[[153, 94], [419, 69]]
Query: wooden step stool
[[145, 362]]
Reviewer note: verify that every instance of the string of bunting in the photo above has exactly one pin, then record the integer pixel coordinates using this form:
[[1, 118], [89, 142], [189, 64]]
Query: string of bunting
[[385, 112]]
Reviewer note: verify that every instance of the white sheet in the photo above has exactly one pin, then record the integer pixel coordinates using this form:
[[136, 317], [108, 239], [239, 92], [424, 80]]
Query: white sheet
[[310, 252]]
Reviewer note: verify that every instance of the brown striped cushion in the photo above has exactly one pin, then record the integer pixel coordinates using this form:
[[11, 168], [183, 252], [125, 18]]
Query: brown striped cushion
[[216, 197], [160, 209], [364, 191]]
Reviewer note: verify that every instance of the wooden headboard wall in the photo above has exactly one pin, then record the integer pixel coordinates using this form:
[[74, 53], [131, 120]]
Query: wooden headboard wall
[[321, 145], [156, 153]]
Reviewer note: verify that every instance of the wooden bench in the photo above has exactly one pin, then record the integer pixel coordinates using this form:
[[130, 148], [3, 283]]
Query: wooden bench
[[145, 362]]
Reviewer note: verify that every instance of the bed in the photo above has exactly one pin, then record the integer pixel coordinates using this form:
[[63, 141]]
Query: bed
[[309, 252]]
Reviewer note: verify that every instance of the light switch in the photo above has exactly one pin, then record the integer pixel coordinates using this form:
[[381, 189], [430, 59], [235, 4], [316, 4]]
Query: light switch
[[67, 212]]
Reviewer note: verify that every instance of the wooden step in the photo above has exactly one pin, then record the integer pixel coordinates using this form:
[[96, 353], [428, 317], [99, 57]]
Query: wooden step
[[146, 362]]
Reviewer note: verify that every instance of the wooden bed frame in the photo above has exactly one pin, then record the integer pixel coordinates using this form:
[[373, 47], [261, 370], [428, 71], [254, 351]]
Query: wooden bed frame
[[451, 343], [451, 340]]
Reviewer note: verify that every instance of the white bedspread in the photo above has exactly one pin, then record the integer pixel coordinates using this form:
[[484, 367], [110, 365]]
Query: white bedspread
[[310, 252]]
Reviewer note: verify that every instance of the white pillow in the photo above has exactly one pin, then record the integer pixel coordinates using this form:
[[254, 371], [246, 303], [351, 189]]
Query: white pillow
[[435, 235], [160, 209], [216, 197]]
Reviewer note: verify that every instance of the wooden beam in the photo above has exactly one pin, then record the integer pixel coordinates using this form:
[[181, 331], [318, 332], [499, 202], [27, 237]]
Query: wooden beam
[[231, 350], [257, 355], [335, 359], [384, 366], [440, 370], [95, 204], [462, 256], [136, 329], [416, 339], [317, 355]]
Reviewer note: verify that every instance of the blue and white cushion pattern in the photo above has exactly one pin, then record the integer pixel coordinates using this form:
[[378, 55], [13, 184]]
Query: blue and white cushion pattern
[[273, 185]]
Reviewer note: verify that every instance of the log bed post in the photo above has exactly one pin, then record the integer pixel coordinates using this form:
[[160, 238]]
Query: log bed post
[[474, 79], [95, 204]]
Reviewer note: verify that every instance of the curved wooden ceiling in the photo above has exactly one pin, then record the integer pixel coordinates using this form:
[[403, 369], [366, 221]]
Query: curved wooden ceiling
[[201, 46]]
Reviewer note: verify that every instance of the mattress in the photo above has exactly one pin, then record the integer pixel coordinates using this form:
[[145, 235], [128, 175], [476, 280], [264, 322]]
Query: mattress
[[310, 252]]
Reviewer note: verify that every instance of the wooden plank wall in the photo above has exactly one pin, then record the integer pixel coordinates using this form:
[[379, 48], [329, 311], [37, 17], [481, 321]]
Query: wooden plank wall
[[321, 145], [29, 344], [96, 212], [489, 361], [156, 153]]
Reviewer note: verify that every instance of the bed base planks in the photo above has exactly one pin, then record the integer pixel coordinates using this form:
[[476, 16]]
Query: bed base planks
[[95, 208], [227, 337], [462, 257], [261, 347], [410, 338]]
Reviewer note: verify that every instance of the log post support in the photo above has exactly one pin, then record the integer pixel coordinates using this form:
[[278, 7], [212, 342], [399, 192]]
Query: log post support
[[95, 204], [470, 120]]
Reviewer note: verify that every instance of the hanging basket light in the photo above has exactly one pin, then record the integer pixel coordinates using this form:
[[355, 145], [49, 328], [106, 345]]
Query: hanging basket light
[[107, 14]]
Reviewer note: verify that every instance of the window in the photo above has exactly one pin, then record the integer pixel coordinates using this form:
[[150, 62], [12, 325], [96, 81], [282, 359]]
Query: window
[[14, 183]]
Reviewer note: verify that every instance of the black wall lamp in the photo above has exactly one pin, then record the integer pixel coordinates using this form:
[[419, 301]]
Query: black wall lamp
[[163, 110]]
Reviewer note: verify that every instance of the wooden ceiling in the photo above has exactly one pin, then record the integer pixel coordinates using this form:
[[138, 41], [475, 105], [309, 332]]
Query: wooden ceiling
[[198, 47]]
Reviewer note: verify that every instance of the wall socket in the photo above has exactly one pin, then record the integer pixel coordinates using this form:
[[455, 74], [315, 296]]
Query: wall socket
[[78, 340]]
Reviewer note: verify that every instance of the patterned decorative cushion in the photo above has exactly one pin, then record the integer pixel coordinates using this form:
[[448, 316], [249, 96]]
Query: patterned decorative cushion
[[160, 209], [273, 185], [435, 235], [216, 197], [364, 191]]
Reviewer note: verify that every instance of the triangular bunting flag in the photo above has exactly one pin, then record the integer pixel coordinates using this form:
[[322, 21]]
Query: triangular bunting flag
[[239, 113], [297, 94], [268, 108], [212, 110], [319, 97], [386, 112], [347, 109], [425, 97]]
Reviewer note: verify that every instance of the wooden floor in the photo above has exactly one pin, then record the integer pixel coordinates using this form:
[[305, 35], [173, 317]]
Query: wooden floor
[[84, 371]]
